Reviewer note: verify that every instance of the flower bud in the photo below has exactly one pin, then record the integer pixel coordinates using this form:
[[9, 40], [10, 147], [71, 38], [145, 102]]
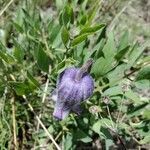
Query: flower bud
[[74, 85], [106, 99]]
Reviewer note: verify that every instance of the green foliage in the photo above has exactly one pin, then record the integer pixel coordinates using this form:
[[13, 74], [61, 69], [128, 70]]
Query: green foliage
[[65, 35], [42, 48], [144, 73]]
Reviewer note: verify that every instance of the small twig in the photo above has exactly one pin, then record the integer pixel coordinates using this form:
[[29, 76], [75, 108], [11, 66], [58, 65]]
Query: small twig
[[119, 113], [59, 134], [46, 45], [66, 52], [123, 117], [43, 100], [6, 7], [14, 123]]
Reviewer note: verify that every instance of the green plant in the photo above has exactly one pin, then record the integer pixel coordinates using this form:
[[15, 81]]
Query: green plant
[[36, 50]]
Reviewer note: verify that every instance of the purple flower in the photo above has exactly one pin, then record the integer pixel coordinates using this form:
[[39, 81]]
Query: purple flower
[[74, 85]]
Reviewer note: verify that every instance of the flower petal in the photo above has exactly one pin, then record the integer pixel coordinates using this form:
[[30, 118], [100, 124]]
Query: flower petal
[[65, 113], [54, 95], [58, 110], [61, 110]]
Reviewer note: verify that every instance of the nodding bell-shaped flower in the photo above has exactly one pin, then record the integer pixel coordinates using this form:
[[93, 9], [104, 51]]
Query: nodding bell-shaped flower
[[74, 85]]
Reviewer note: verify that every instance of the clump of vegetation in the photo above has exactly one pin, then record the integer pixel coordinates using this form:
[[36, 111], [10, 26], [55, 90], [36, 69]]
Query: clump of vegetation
[[38, 41]]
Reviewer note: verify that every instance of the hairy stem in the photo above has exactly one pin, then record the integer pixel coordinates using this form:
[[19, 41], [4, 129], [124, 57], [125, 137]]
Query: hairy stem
[[85, 68]]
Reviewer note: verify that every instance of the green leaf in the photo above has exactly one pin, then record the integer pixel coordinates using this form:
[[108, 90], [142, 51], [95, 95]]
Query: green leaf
[[82, 136], [121, 53], [68, 142], [92, 12], [142, 84], [4, 56], [32, 79], [144, 73], [146, 59], [60, 19], [145, 140], [79, 51], [83, 20], [97, 126], [89, 54], [104, 122], [134, 97], [92, 29], [71, 15], [2, 89], [116, 74], [18, 27], [19, 87], [84, 33], [18, 51], [135, 53], [108, 144], [109, 49], [99, 47], [77, 40], [146, 113], [65, 35], [22, 88], [124, 41], [54, 32], [43, 60], [137, 110], [2, 47], [80, 2], [51, 129], [59, 4], [7, 57], [67, 15], [116, 90], [101, 67], [102, 35]]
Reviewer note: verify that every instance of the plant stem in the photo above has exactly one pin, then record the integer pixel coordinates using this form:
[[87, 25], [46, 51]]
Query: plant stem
[[85, 68], [14, 123], [48, 51], [43, 100], [5, 8], [119, 113], [110, 116]]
